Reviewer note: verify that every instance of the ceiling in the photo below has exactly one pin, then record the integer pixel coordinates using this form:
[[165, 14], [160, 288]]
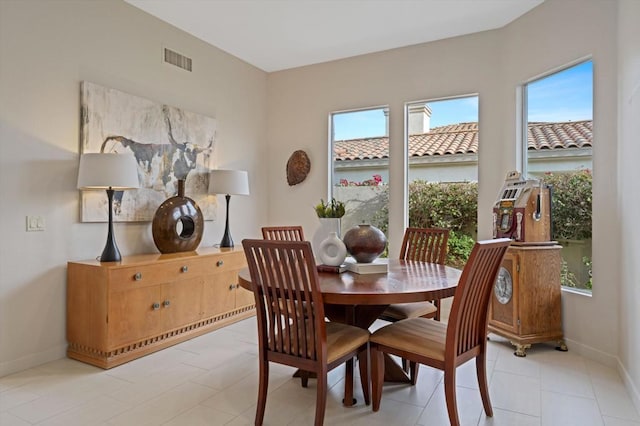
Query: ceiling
[[279, 34]]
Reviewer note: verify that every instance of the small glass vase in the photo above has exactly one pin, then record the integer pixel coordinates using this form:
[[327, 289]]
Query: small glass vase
[[332, 250]]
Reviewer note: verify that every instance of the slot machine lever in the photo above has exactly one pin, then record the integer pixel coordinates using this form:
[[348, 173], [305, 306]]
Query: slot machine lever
[[537, 215]]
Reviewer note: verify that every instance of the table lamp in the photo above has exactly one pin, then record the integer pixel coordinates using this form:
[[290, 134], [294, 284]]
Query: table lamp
[[112, 172], [228, 182]]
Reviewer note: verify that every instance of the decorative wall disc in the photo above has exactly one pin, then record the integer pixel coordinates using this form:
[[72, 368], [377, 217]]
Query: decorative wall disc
[[298, 167]]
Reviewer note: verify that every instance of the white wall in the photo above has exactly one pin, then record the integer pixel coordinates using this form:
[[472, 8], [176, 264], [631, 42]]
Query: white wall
[[47, 49], [628, 206], [492, 64]]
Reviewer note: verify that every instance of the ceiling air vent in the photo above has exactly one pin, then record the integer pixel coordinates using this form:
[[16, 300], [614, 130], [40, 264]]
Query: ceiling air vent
[[174, 58]]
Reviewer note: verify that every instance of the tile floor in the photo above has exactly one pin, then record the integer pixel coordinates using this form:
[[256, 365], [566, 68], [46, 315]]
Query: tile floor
[[212, 380]]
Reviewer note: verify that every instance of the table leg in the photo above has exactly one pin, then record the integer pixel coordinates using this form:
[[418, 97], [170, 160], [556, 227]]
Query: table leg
[[363, 316], [393, 372]]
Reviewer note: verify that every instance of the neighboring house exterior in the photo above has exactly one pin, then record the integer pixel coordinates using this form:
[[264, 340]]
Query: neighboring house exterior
[[450, 153]]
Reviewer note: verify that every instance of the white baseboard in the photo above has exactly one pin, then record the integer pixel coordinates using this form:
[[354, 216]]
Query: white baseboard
[[593, 354], [631, 387], [32, 360], [610, 361]]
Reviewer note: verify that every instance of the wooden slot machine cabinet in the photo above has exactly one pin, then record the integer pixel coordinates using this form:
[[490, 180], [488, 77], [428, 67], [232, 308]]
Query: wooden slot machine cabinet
[[526, 303]]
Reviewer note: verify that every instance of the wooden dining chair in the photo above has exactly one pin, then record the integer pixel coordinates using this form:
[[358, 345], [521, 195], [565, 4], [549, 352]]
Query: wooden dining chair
[[296, 334], [283, 233], [423, 245], [446, 346]]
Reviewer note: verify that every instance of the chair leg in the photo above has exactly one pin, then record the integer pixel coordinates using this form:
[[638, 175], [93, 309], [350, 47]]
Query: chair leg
[[450, 396], [348, 383], [481, 372], [263, 384], [377, 376], [304, 378], [321, 397], [363, 365], [436, 303]]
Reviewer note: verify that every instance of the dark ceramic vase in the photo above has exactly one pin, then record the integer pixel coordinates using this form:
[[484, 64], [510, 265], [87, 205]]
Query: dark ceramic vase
[[365, 243], [178, 224]]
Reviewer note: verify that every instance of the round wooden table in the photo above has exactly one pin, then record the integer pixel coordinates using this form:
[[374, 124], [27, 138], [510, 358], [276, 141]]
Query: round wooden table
[[359, 299]]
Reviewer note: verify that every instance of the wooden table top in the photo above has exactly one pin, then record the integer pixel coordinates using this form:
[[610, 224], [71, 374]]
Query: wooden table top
[[405, 281]]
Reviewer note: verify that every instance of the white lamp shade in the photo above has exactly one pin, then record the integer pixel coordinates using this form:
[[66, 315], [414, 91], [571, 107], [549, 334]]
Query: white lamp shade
[[102, 171], [229, 182]]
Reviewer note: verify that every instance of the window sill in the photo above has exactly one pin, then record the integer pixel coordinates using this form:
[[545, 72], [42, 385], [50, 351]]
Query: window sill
[[582, 292]]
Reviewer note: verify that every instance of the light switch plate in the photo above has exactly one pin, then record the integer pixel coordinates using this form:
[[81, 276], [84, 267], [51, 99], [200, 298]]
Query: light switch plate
[[35, 223]]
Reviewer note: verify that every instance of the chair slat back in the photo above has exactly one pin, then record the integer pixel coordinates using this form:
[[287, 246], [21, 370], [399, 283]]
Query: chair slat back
[[288, 299], [283, 233], [467, 328], [425, 245]]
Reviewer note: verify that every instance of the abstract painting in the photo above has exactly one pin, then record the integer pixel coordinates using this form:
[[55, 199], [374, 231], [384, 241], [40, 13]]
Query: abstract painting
[[168, 143]]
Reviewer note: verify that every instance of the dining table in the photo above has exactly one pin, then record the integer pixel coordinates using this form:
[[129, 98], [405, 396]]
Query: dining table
[[359, 299]]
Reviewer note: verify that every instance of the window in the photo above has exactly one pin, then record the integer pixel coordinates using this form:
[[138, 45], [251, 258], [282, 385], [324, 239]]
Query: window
[[442, 138], [558, 111], [360, 166]]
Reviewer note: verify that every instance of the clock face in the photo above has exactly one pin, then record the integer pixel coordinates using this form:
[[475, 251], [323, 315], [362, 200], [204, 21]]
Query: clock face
[[503, 288]]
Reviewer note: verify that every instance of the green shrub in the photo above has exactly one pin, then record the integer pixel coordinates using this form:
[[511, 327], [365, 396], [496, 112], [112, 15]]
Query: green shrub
[[588, 264], [460, 246], [444, 205], [567, 278], [571, 209]]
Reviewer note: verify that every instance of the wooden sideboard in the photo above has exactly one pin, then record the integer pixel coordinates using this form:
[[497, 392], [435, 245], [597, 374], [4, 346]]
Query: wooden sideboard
[[119, 311], [526, 303]]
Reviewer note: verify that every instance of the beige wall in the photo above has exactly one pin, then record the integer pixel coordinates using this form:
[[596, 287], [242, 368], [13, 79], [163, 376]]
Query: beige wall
[[492, 64], [628, 205], [47, 49], [300, 101], [533, 49]]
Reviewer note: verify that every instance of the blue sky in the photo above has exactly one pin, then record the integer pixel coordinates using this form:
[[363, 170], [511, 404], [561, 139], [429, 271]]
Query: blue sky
[[564, 96]]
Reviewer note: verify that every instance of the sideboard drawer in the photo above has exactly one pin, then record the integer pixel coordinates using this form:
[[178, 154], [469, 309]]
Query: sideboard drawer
[[142, 276], [227, 262]]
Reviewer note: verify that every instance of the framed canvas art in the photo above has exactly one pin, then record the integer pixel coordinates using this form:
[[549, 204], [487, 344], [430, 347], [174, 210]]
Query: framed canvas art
[[168, 144]]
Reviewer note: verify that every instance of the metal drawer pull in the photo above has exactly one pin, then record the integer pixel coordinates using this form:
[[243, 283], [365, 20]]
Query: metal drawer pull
[[185, 268], [219, 263], [166, 303], [155, 306], [232, 286], [137, 276]]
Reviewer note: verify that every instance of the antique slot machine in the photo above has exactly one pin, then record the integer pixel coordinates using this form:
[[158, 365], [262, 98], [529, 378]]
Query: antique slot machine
[[526, 303], [523, 210]]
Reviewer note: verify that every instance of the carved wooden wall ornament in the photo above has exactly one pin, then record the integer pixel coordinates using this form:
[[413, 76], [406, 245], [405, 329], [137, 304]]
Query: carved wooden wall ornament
[[298, 167]]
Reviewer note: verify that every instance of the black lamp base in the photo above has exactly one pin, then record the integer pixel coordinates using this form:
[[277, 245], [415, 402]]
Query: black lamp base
[[227, 241], [110, 252]]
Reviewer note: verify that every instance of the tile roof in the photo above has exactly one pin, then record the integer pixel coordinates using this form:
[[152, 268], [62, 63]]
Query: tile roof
[[462, 138]]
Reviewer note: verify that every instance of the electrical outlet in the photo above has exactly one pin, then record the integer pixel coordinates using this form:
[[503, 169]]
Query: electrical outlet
[[35, 223]]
